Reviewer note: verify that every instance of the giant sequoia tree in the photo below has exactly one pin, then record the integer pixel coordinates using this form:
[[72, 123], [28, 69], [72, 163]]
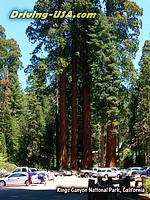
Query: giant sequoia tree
[[49, 34], [106, 80], [57, 38], [79, 87], [124, 15], [142, 126], [11, 95]]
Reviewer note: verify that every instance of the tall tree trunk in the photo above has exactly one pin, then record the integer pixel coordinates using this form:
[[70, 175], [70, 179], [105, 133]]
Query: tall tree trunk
[[111, 136], [111, 146], [139, 152], [63, 123], [102, 145], [136, 150], [74, 139], [118, 155], [57, 128], [87, 149], [109, 7]]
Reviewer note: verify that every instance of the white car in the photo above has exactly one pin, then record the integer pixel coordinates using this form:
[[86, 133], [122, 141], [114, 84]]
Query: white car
[[19, 169], [108, 172], [63, 172], [132, 171], [17, 178]]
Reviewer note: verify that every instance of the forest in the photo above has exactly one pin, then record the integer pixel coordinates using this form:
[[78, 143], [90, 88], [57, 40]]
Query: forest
[[85, 103]]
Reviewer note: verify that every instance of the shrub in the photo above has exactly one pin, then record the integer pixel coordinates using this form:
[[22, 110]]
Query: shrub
[[7, 166], [148, 185]]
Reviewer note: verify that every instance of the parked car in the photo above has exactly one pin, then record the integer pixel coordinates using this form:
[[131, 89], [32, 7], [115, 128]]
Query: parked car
[[63, 172], [22, 169], [115, 168], [108, 172], [88, 172], [145, 171], [124, 172], [33, 169], [74, 172], [16, 178], [6, 175], [132, 171]]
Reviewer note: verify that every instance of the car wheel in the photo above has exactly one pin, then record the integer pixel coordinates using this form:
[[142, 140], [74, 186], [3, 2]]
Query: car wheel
[[86, 175], [118, 175], [2, 183], [27, 182], [106, 176]]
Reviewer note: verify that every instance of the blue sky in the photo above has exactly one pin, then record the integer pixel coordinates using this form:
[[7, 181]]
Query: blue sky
[[15, 28]]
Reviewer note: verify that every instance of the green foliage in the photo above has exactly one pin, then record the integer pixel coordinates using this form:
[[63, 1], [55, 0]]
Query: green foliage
[[103, 49], [105, 75], [142, 125], [127, 157], [125, 16], [7, 166], [148, 185], [10, 104]]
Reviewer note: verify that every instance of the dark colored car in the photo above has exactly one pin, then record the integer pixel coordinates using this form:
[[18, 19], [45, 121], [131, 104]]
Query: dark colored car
[[145, 171]]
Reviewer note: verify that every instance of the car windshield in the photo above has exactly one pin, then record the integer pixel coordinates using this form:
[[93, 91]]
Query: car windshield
[[145, 167], [34, 173], [17, 170]]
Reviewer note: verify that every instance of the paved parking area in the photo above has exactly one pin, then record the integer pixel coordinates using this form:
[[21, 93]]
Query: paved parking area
[[24, 194], [46, 192], [49, 191], [64, 181]]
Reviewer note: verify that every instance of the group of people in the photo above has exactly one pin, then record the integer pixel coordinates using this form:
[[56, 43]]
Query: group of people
[[42, 177]]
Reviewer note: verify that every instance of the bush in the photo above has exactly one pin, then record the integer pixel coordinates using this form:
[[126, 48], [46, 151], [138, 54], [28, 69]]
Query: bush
[[7, 166], [148, 185]]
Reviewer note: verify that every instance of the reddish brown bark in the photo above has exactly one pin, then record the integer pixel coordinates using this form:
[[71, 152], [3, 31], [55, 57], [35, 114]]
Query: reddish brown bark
[[111, 146], [63, 123], [111, 136], [6, 92], [4, 82], [74, 139], [57, 128], [102, 145], [87, 149]]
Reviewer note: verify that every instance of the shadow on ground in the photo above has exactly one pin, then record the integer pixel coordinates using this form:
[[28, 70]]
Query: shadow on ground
[[25, 194]]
